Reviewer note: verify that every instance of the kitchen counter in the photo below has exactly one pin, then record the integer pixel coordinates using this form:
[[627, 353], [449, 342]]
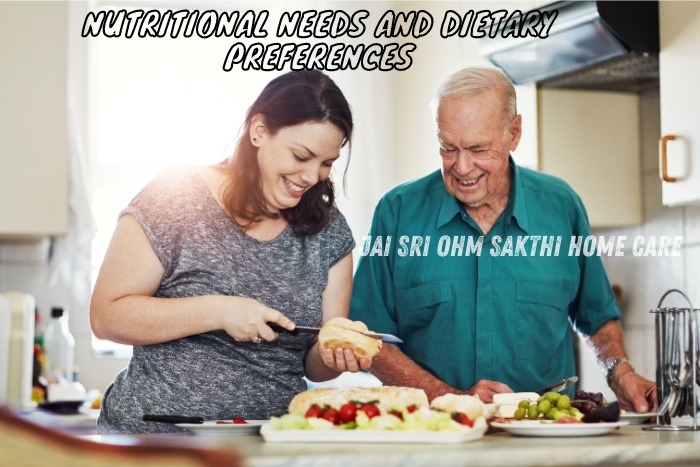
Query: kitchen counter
[[82, 423], [627, 445]]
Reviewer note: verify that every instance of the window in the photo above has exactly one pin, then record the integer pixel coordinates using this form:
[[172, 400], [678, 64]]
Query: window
[[152, 104]]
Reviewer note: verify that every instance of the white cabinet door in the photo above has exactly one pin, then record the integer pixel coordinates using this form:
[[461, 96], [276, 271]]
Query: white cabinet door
[[33, 119], [590, 139], [679, 68]]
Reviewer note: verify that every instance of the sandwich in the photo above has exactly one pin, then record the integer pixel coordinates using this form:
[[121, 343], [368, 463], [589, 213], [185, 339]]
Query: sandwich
[[384, 397], [342, 333]]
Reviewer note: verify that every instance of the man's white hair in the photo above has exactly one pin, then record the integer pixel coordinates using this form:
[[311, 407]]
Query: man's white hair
[[476, 79]]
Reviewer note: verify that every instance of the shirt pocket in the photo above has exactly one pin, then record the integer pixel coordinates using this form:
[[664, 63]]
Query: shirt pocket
[[542, 319], [425, 317]]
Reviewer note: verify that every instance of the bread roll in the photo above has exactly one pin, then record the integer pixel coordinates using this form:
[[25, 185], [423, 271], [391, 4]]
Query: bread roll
[[387, 397], [508, 402], [469, 405], [341, 333]]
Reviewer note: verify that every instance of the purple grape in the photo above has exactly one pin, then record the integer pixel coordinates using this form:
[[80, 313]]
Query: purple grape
[[581, 394], [588, 406], [597, 398]]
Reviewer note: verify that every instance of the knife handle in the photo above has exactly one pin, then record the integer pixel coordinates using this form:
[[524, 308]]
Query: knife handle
[[295, 331], [278, 328], [172, 419]]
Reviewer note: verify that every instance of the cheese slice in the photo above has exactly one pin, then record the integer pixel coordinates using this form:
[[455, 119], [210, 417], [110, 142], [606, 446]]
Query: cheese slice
[[508, 402]]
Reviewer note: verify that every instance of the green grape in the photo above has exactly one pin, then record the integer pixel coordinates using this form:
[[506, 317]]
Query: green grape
[[564, 403], [520, 413], [550, 413], [559, 414], [524, 404], [532, 412], [574, 412], [552, 396], [544, 406]]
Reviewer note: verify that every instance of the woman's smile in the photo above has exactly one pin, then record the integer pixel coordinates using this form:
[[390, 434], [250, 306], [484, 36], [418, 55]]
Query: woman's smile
[[292, 188]]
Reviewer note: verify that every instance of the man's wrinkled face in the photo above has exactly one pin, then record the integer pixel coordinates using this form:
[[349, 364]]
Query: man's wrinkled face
[[475, 142]]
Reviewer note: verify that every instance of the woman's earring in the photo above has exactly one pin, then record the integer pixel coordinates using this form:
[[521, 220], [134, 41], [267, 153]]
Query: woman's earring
[[255, 140]]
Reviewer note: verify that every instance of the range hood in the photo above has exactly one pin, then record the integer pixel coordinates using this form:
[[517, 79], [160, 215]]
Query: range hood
[[606, 45]]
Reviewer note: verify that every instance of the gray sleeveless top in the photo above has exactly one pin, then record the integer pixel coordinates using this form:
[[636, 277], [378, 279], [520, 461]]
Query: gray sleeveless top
[[203, 252]]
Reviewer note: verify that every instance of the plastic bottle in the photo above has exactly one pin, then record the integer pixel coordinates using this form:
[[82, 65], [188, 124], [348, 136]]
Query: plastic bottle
[[60, 348], [21, 351], [5, 328], [38, 386]]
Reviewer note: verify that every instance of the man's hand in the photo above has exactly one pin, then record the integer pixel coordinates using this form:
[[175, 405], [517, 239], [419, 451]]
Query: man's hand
[[633, 392], [485, 389]]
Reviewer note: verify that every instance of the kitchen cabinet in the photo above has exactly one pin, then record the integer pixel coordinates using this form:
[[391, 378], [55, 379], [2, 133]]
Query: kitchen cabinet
[[590, 139], [33, 119], [679, 68]]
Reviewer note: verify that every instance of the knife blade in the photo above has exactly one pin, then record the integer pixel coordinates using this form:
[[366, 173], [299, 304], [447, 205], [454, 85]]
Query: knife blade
[[172, 419], [560, 386], [310, 330]]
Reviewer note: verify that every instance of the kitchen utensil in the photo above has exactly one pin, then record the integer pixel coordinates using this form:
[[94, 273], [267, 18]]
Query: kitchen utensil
[[540, 428], [676, 364], [560, 386], [214, 427], [172, 419], [309, 330]]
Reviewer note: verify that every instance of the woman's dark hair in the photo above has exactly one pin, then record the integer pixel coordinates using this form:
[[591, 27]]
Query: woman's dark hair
[[291, 99]]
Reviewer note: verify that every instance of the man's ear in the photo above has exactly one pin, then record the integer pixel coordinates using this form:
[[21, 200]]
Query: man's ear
[[257, 129], [515, 131]]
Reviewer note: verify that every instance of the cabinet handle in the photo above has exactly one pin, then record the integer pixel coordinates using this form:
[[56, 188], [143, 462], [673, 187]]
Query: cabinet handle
[[664, 165]]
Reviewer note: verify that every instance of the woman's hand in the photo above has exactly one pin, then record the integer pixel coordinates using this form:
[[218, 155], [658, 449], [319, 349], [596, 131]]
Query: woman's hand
[[247, 320], [343, 360]]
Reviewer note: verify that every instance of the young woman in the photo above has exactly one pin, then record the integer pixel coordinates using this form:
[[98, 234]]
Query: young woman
[[204, 258]]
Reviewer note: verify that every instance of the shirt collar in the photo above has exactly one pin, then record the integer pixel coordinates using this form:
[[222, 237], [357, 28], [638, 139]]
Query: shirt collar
[[450, 206], [517, 198]]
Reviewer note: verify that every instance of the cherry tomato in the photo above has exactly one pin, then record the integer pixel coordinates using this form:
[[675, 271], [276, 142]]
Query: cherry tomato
[[348, 413], [314, 412], [332, 415], [370, 410], [411, 408], [461, 418], [396, 413]]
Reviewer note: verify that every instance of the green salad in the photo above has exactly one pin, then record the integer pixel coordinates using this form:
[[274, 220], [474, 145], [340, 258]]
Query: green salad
[[422, 419]]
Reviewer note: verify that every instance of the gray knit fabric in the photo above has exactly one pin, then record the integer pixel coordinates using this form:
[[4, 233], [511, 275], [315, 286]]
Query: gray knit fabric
[[203, 252]]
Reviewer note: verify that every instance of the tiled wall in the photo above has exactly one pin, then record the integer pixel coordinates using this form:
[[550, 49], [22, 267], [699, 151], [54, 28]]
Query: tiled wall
[[645, 279], [25, 266]]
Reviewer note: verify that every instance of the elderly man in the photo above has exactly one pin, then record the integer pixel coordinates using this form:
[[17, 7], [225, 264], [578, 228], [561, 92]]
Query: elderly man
[[484, 299]]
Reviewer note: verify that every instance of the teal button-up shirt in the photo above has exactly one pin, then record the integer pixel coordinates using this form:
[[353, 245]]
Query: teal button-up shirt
[[471, 306]]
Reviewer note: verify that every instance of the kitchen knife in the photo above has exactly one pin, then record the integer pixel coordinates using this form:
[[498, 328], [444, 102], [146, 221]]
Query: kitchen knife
[[309, 330], [560, 386], [172, 419]]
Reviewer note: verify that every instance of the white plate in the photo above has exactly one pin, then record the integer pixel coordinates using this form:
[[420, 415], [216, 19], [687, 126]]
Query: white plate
[[372, 436], [210, 427], [548, 428], [635, 418]]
